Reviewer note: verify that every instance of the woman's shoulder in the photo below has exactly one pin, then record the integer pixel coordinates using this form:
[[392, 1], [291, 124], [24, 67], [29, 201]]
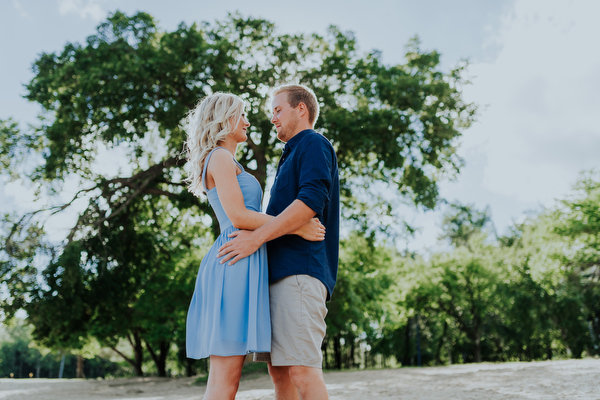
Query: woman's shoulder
[[220, 156]]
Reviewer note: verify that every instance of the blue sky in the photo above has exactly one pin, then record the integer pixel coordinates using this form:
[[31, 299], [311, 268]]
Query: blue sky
[[533, 63]]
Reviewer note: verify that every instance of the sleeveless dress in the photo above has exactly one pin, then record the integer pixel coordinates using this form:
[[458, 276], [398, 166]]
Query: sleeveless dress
[[229, 312]]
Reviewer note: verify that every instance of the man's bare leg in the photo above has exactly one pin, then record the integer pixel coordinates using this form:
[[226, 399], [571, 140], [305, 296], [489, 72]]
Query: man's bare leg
[[309, 382], [284, 388], [298, 383]]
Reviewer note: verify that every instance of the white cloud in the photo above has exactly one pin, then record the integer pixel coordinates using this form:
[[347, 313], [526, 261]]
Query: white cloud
[[84, 8], [24, 14], [539, 129]]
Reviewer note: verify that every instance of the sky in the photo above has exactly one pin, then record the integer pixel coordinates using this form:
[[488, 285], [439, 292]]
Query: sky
[[533, 64]]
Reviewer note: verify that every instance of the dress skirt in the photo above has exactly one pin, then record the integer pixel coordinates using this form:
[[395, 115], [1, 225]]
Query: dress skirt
[[229, 312]]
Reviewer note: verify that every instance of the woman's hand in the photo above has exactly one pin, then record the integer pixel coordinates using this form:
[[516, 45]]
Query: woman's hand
[[313, 231]]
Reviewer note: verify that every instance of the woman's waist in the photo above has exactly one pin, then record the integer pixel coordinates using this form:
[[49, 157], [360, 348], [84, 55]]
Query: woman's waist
[[226, 228]]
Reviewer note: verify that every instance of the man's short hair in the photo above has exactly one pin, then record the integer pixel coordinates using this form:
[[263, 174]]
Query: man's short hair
[[297, 94]]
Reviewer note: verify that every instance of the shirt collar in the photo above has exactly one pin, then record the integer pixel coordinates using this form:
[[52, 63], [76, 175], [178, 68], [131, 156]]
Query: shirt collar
[[296, 139]]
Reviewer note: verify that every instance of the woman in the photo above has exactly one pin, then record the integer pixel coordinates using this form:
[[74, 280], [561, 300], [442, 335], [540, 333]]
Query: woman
[[229, 312]]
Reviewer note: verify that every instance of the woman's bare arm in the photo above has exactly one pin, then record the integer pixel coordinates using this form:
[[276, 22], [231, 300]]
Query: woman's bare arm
[[223, 171]]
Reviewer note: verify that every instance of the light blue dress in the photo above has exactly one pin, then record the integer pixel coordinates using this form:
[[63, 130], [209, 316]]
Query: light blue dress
[[229, 312]]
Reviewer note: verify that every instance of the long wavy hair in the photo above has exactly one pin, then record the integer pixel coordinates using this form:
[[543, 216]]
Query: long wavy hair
[[209, 123]]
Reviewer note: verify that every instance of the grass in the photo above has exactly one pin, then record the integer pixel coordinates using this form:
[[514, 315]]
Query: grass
[[201, 380]]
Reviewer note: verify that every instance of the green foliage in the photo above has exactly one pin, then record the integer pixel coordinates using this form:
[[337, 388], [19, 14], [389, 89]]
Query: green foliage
[[460, 289], [461, 222], [396, 124], [528, 296], [202, 380], [364, 278], [23, 242], [577, 280], [20, 359], [140, 291], [126, 270]]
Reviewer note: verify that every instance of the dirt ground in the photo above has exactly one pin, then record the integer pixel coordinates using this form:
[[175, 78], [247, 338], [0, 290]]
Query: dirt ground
[[569, 379]]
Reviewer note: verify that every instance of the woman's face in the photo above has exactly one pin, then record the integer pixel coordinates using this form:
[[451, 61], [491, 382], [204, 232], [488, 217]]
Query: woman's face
[[239, 133]]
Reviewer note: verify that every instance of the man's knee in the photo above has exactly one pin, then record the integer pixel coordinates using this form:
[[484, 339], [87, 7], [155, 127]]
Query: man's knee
[[279, 374], [302, 376]]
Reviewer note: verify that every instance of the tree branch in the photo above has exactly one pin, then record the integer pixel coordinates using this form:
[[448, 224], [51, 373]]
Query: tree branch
[[129, 360]]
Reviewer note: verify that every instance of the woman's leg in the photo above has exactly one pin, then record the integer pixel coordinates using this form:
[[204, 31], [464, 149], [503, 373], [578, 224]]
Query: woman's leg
[[224, 377]]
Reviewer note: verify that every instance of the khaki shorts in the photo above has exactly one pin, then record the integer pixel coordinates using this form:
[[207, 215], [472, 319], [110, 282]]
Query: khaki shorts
[[297, 322]]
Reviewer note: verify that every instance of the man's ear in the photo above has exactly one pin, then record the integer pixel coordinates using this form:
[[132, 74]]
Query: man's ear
[[302, 109]]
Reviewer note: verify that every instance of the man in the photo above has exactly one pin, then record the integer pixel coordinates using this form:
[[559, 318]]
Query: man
[[302, 274]]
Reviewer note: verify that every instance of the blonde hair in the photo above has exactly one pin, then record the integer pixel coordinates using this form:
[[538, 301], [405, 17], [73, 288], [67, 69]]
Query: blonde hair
[[209, 123], [297, 94]]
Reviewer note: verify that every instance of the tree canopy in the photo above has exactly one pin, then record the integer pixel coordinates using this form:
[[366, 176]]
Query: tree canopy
[[111, 122]]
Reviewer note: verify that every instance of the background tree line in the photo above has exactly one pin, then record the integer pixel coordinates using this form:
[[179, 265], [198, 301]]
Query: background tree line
[[124, 274], [533, 294], [20, 357]]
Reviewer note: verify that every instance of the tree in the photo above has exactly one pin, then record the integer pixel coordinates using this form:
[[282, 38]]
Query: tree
[[121, 95], [456, 296], [563, 247], [461, 222], [580, 223], [365, 276], [21, 358], [463, 289]]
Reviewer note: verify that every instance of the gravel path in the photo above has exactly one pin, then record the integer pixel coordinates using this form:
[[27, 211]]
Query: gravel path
[[568, 379]]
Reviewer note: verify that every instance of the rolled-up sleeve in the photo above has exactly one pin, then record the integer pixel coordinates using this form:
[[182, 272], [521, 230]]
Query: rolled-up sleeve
[[315, 173]]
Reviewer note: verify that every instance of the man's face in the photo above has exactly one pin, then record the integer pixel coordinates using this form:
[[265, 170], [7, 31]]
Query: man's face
[[285, 118]]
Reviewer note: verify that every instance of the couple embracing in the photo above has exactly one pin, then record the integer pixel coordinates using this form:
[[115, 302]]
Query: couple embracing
[[263, 285]]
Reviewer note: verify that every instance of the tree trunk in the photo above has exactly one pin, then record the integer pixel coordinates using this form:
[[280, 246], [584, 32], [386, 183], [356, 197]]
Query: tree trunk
[[216, 229], [477, 348], [138, 352], [352, 355], [418, 344], [438, 351], [259, 153], [477, 339], [476, 334], [337, 352], [406, 355], [190, 367], [324, 351], [80, 372], [160, 359]]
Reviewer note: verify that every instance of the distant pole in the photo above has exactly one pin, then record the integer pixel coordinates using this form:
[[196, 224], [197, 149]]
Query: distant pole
[[418, 343], [62, 367]]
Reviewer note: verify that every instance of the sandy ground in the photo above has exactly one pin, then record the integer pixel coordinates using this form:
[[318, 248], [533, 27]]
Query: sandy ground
[[569, 379]]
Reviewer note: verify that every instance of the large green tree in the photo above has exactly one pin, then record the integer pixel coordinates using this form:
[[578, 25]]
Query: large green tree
[[112, 108]]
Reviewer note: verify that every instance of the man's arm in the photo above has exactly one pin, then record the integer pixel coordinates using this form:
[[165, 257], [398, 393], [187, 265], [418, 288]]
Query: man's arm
[[246, 242], [223, 171], [315, 165]]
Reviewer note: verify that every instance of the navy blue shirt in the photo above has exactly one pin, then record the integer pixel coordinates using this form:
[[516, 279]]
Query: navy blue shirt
[[307, 171]]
